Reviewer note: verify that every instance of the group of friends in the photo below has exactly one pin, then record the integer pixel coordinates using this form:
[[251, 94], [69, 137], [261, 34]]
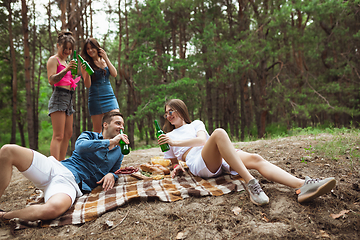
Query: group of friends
[[97, 154]]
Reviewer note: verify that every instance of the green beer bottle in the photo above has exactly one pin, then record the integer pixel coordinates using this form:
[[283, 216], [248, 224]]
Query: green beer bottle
[[124, 147], [88, 69], [164, 147], [74, 71]]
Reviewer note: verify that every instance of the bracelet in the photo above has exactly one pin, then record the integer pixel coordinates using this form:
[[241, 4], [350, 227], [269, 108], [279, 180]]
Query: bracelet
[[176, 166]]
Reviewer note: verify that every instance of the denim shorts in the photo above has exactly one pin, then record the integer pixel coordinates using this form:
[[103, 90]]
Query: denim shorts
[[61, 101], [50, 176]]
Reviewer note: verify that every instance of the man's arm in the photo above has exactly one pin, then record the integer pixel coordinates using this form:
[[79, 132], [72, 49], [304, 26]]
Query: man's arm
[[87, 143]]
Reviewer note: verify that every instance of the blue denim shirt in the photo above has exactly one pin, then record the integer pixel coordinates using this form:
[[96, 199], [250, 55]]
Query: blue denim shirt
[[92, 160]]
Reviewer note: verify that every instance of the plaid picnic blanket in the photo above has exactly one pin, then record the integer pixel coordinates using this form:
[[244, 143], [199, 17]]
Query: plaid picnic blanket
[[90, 206]]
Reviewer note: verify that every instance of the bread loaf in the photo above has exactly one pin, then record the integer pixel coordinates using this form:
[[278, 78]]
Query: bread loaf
[[138, 175], [159, 160], [165, 170], [154, 169]]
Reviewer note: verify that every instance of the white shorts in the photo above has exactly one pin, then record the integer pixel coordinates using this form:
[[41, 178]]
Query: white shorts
[[197, 166], [50, 176]]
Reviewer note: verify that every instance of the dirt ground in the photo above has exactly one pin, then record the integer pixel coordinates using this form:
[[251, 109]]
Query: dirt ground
[[213, 217]]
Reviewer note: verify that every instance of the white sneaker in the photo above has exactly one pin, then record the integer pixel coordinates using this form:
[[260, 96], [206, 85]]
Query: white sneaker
[[257, 195]]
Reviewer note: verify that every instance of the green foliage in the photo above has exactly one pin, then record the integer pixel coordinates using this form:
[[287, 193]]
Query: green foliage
[[274, 130], [45, 136], [345, 144], [300, 57]]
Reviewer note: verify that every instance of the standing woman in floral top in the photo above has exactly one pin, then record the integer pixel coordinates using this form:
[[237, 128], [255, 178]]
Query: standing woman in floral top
[[61, 105], [101, 95]]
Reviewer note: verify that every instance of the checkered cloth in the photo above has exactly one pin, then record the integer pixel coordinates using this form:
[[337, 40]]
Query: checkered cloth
[[127, 188]]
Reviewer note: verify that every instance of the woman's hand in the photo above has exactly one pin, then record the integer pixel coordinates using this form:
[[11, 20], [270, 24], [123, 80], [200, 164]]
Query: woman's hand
[[178, 170], [108, 181], [83, 66], [112, 69], [72, 65], [163, 138], [102, 53]]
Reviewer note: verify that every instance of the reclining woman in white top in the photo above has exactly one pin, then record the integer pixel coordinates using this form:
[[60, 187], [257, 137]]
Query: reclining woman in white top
[[209, 156]]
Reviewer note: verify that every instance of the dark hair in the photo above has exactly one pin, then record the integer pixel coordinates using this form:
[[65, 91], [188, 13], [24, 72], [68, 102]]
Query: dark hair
[[181, 109], [108, 117], [65, 37], [85, 55]]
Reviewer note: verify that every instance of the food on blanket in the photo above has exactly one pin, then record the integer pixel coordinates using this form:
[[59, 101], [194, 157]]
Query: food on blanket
[[149, 168], [165, 170], [126, 170], [140, 176], [146, 173], [157, 177], [159, 160], [147, 176], [153, 169]]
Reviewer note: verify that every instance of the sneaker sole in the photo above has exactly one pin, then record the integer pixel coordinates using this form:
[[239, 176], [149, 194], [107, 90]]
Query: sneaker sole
[[320, 191]]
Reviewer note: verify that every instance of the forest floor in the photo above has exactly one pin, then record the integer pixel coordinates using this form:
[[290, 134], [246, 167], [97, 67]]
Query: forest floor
[[335, 215]]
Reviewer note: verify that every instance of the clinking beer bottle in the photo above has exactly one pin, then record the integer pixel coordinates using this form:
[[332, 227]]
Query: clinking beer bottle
[[88, 69], [164, 147], [124, 147], [74, 71]]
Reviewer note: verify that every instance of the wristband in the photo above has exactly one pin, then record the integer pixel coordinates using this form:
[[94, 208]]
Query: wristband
[[176, 165]]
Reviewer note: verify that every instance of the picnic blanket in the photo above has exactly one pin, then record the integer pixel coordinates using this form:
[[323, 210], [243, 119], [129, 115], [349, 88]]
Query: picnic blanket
[[91, 206]]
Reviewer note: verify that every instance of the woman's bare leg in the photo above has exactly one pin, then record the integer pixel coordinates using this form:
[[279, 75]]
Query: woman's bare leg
[[269, 170], [96, 120], [58, 120], [219, 146], [68, 130]]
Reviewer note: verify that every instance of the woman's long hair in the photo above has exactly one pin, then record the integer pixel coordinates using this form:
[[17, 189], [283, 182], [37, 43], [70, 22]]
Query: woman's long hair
[[181, 109], [85, 55]]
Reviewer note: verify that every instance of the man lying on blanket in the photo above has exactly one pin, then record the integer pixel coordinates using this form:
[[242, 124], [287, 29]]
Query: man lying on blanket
[[95, 159]]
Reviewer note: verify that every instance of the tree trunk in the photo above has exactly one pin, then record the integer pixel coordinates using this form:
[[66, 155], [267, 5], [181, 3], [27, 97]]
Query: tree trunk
[[130, 123], [242, 82], [34, 92], [30, 113], [51, 44], [119, 82], [14, 76], [209, 102], [21, 129], [63, 4], [37, 93]]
